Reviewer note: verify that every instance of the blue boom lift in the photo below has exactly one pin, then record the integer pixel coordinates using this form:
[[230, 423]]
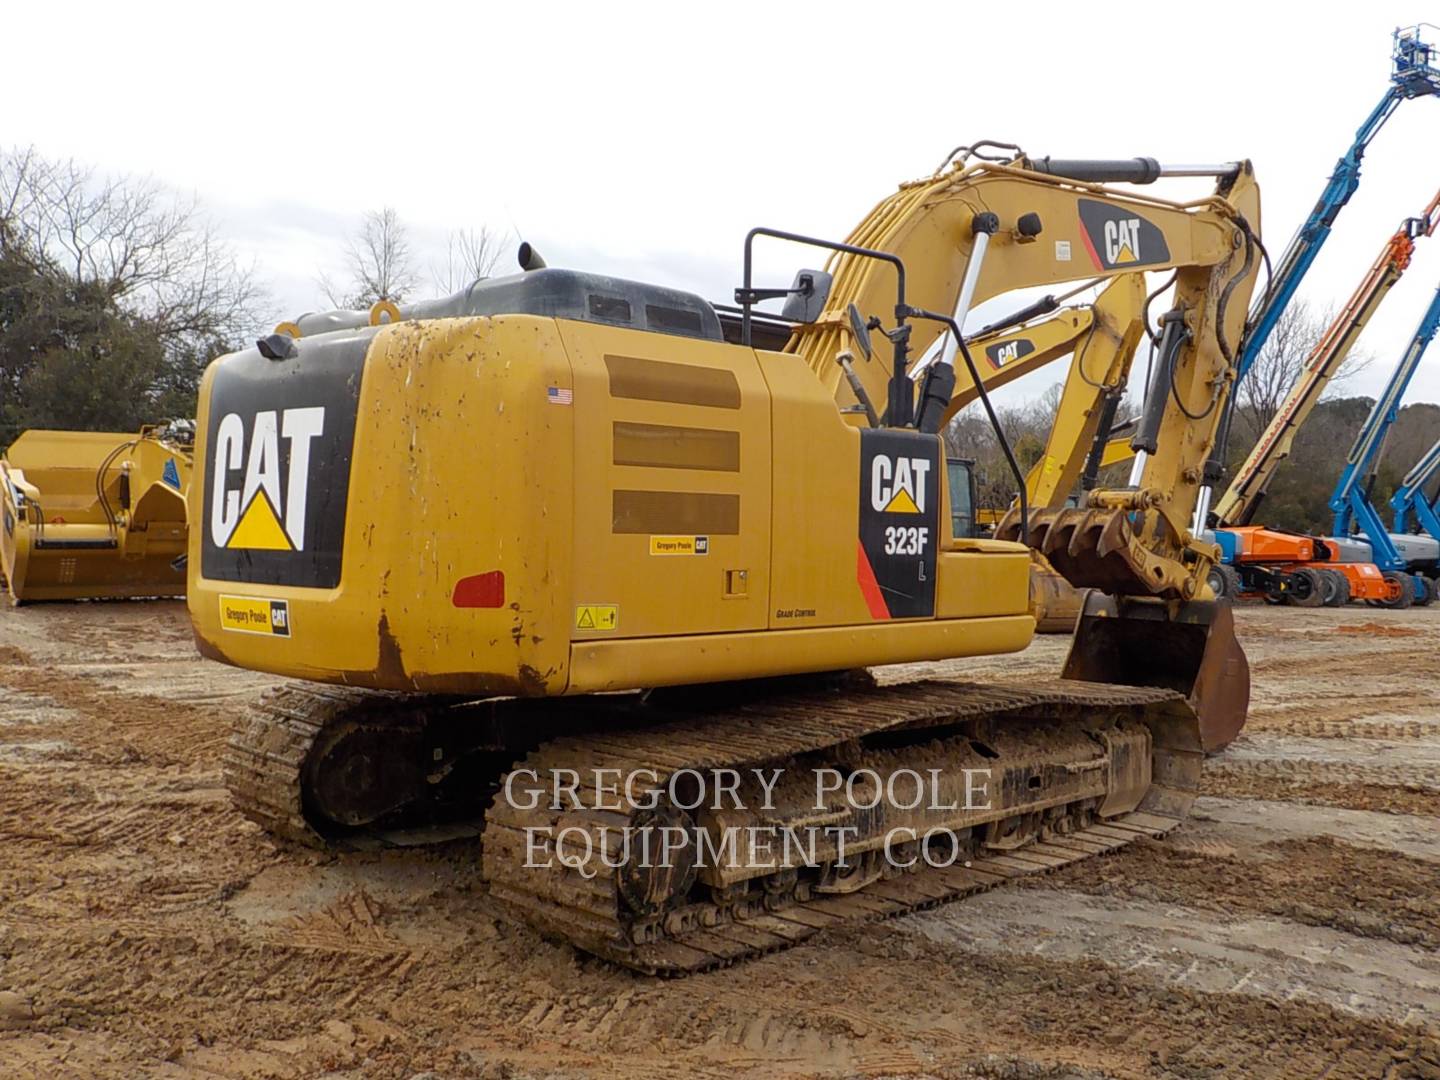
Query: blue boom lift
[[1409, 497], [1351, 498], [1414, 72]]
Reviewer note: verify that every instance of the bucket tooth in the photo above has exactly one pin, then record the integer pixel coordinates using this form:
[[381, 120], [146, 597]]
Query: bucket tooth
[[1114, 535]]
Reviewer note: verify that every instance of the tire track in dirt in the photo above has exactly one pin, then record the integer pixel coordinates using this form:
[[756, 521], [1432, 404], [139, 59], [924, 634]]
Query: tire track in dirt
[[107, 716], [143, 955], [1318, 881]]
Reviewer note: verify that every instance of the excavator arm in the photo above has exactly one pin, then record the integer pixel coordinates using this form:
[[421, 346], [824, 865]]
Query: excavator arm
[[948, 243], [1351, 498], [1092, 334], [1093, 386], [988, 229], [1038, 230], [1101, 339]]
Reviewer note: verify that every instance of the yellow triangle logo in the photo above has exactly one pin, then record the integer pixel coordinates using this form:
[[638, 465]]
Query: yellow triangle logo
[[587, 621], [1125, 255], [901, 503], [260, 528]]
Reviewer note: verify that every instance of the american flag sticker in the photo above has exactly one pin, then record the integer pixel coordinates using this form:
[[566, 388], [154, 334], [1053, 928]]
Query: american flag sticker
[[560, 395]]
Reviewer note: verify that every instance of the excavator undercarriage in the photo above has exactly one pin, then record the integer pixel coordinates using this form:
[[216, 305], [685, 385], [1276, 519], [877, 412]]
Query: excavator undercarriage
[[645, 833]]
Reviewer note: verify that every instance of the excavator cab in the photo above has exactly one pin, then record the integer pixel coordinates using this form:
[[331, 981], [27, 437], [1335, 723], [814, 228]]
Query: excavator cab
[[960, 473]]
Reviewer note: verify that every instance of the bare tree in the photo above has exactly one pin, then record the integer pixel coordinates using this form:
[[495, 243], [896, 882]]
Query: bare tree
[[153, 253], [470, 254], [379, 263], [1281, 363]]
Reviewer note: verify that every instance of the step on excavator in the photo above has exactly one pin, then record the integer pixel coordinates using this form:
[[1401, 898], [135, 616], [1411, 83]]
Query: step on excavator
[[547, 554], [95, 514]]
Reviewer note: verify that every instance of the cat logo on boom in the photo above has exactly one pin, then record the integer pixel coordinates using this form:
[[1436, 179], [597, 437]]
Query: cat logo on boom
[[262, 508], [897, 484], [1116, 236], [1005, 352], [1122, 240]]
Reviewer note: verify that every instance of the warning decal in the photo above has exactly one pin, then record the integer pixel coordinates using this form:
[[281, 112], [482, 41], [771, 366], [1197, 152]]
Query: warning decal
[[255, 615], [899, 518], [597, 616]]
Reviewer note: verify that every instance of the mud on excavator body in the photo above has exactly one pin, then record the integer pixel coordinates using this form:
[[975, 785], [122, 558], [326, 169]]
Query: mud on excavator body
[[633, 509], [94, 514]]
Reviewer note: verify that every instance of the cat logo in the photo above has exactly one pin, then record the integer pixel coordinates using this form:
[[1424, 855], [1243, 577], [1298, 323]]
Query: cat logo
[[1005, 352], [1122, 240], [259, 509], [897, 485], [1118, 237]]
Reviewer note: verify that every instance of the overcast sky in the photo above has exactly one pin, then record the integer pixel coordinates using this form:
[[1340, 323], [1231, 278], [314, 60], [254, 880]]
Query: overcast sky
[[644, 140]]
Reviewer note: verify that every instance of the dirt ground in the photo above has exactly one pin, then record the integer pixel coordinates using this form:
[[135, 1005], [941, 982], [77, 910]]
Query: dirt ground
[[1290, 929]]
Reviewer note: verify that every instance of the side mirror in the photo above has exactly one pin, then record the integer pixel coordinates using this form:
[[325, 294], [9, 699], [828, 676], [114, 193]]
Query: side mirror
[[807, 296], [860, 331]]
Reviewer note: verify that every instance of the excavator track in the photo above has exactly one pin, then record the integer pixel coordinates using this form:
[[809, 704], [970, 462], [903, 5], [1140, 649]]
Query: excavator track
[[267, 759], [270, 770], [592, 906]]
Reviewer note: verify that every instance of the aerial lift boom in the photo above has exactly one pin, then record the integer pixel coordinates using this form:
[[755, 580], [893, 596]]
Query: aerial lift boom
[[1247, 490], [1414, 72], [1409, 497], [1351, 498]]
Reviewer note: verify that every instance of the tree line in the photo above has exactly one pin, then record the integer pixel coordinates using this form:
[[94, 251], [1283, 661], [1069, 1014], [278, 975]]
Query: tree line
[[115, 293]]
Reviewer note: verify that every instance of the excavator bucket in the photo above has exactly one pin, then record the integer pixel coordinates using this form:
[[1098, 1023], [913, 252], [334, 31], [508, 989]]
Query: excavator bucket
[[1054, 602], [94, 514], [1190, 647]]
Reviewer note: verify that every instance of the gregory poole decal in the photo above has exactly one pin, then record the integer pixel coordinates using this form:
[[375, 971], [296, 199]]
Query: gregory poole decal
[[276, 472], [899, 514], [255, 615]]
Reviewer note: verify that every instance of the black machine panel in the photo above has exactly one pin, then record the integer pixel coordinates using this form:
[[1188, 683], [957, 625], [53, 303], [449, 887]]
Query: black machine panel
[[900, 475], [277, 463]]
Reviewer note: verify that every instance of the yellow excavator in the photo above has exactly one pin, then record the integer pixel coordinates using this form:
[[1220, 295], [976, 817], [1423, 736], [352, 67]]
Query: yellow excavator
[[551, 554], [95, 514]]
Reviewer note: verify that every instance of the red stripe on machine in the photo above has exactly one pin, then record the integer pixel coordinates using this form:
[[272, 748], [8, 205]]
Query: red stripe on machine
[[869, 587], [480, 590]]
